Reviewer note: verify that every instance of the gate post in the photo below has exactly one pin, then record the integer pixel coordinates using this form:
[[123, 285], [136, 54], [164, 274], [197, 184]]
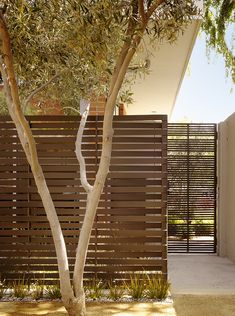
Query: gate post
[[222, 188], [226, 203]]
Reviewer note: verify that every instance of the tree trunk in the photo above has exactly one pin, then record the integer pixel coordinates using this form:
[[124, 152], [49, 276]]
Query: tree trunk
[[29, 146], [94, 193], [76, 306], [93, 198]]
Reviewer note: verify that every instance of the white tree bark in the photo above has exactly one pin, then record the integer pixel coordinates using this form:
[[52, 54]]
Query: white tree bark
[[94, 193], [28, 143], [78, 151]]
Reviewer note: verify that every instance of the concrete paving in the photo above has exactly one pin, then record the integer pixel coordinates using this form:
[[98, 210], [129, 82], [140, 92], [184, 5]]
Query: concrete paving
[[201, 274]]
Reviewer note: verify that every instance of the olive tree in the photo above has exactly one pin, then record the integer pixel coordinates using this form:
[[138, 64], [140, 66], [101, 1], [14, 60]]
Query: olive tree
[[89, 45], [218, 25]]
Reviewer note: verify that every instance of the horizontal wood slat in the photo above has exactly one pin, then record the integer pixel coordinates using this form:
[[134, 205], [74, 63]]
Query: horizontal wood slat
[[129, 232]]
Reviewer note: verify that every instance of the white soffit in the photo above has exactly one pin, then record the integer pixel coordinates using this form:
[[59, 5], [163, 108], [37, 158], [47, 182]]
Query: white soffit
[[157, 91]]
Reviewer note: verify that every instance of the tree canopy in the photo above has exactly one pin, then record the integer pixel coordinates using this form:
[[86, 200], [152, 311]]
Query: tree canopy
[[67, 43], [69, 47], [219, 26]]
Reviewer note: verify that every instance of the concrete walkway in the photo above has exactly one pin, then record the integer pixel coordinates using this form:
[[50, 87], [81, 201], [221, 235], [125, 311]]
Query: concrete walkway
[[201, 274]]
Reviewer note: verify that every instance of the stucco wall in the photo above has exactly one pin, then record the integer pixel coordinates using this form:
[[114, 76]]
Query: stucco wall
[[226, 185]]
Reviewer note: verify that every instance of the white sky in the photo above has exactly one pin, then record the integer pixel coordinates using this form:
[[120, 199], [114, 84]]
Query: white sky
[[205, 94]]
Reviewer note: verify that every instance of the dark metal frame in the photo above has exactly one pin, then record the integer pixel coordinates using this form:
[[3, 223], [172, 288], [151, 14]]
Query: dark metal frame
[[192, 152]]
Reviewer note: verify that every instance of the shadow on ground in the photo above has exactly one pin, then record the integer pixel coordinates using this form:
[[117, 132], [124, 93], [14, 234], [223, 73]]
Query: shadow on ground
[[184, 305], [93, 309], [204, 305]]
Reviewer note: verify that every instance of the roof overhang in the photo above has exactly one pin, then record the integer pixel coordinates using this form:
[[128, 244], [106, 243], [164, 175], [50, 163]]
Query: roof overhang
[[157, 91]]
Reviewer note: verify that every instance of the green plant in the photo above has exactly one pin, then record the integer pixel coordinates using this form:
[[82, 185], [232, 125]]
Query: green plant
[[157, 287], [2, 289], [136, 286], [37, 290], [179, 228], [95, 289], [20, 288], [203, 227], [115, 291], [53, 292]]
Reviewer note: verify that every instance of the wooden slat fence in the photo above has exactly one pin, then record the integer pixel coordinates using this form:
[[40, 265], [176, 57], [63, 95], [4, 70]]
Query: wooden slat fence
[[129, 233]]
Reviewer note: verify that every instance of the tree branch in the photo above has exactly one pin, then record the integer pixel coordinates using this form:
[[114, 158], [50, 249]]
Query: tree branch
[[37, 90], [129, 34], [7, 88], [10, 83], [71, 108], [127, 43], [78, 151], [153, 8], [142, 11]]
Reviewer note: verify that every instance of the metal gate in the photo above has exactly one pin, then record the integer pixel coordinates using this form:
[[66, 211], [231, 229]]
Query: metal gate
[[192, 188]]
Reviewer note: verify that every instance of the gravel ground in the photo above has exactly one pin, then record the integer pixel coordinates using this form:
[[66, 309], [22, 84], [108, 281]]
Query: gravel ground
[[124, 299]]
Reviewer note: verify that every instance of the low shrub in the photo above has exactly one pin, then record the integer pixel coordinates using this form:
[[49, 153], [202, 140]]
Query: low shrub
[[115, 291], [37, 290], [2, 289], [20, 289], [136, 286], [53, 292], [157, 287], [95, 289]]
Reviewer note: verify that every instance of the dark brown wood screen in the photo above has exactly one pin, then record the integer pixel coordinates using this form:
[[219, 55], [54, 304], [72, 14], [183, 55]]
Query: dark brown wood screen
[[129, 233]]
